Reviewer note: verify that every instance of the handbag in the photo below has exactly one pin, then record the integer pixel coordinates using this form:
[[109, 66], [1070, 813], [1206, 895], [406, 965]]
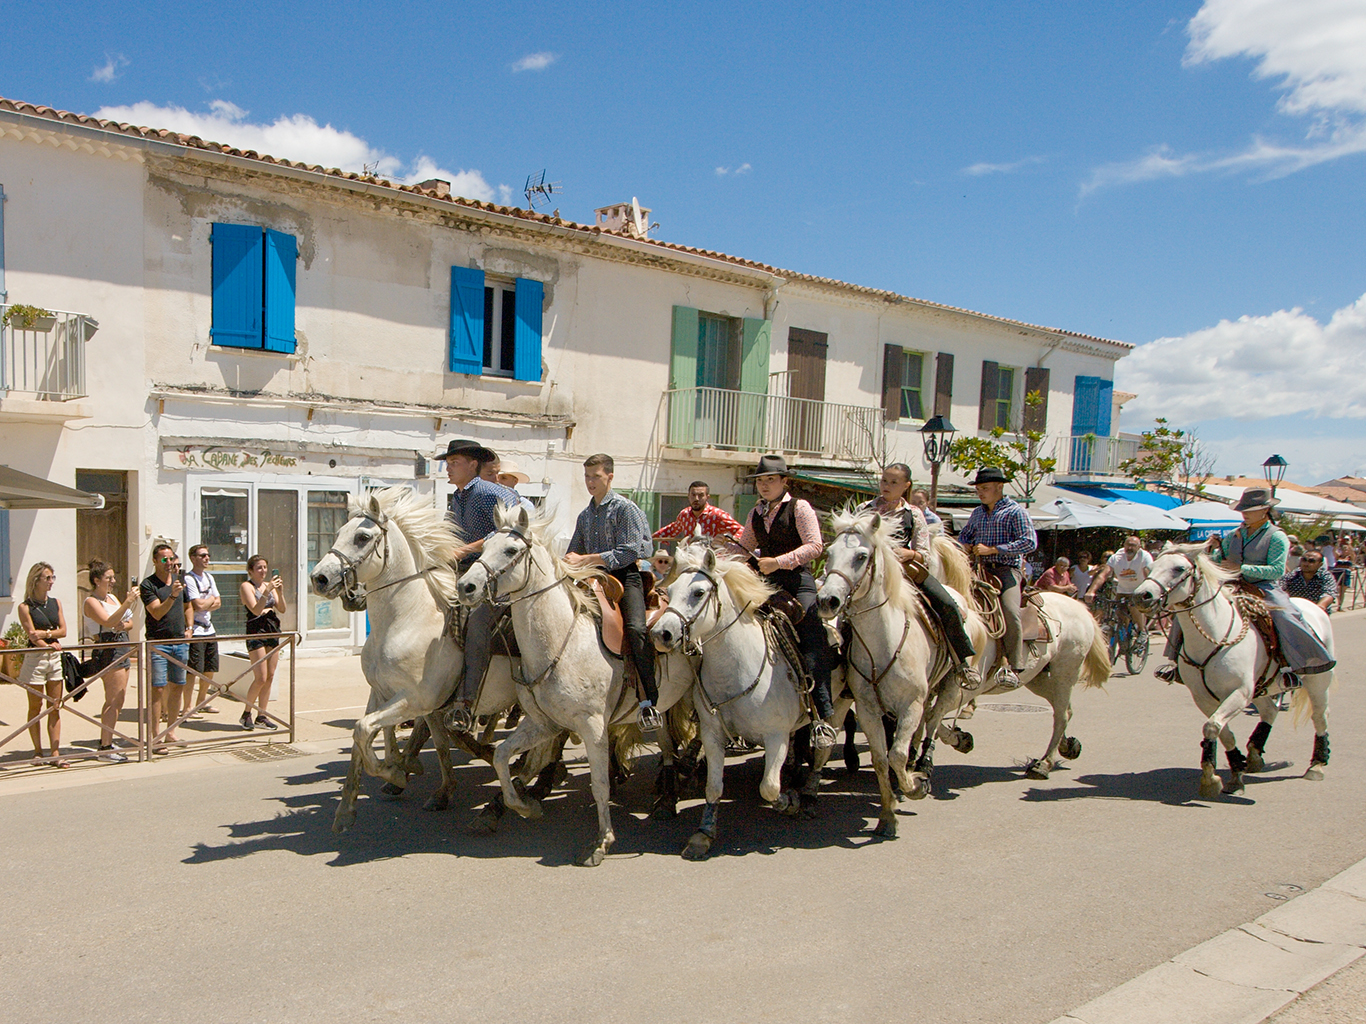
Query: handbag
[[73, 675]]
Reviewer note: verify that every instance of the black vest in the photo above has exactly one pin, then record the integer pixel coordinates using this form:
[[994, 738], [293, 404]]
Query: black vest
[[782, 537]]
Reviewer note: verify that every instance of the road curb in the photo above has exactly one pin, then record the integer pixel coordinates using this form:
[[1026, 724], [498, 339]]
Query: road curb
[[1248, 973]]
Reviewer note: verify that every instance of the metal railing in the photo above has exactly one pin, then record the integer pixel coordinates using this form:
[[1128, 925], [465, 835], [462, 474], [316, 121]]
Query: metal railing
[[745, 421], [1089, 455], [47, 357], [148, 738]]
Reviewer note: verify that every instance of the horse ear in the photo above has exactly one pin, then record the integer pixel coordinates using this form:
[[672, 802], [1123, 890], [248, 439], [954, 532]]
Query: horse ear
[[523, 521], [877, 521], [373, 508], [709, 560], [697, 532]]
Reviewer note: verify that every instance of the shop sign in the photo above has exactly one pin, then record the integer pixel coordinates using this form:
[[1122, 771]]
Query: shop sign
[[227, 459]]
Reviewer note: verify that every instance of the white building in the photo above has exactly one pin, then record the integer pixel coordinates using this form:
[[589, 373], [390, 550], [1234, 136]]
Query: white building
[[240, 343]]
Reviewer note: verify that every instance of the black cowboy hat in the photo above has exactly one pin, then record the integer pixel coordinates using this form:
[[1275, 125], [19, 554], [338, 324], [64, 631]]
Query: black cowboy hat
[[471, 449], [1255, 498], [989, 475], [770, 464]]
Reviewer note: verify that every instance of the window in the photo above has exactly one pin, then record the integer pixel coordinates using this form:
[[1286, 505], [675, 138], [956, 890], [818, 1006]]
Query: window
[[223, 530], [495, 325], [327, 514], [912, 379], [253, 287], [1005, 391], [718, 354]]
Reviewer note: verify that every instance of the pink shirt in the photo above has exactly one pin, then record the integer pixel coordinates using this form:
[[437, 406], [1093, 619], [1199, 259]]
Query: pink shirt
[[808, 528]]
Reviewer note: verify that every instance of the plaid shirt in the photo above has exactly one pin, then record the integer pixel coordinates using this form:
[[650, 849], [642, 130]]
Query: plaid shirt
[[614, 528], [470, 510], [1315, 588], [715, 522], [1006, 527]]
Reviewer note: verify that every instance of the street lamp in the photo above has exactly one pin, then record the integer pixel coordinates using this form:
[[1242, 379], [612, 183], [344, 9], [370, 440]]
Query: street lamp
[[1274, 471], [937, 433]]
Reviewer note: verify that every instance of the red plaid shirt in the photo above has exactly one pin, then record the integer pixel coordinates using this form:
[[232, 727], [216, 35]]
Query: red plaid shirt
[[715, 522]]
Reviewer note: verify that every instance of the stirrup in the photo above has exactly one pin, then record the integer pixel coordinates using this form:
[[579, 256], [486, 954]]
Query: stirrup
[[969, 679], [1008, 678], [1167, 672], [822, 735], [650, 720], [1290, 681], [458, 717]]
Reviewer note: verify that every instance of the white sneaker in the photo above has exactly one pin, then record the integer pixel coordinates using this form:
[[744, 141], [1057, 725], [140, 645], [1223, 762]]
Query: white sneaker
[[111, 755]]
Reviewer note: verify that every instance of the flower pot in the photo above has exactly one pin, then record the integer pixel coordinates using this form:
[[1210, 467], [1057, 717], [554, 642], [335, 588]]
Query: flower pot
[[10, 664], [43, 324]]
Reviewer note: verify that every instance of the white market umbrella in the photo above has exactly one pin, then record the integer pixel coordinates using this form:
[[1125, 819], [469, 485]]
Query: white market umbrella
[[1208, 513]]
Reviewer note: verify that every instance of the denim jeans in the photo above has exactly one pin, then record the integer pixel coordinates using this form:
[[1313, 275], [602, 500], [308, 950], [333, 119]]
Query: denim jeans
[[164, 671]]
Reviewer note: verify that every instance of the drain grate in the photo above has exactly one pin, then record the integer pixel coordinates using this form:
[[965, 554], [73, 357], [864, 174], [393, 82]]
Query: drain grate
[[1018, 709], [270, 752]]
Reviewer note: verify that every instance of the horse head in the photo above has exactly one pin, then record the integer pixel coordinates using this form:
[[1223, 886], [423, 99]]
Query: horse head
[[358, 554], [1172, 581], [693, 592], [849, 559], [503, 552]]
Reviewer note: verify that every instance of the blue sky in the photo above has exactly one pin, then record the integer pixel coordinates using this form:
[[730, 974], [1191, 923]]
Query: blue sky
[[1162, 170]]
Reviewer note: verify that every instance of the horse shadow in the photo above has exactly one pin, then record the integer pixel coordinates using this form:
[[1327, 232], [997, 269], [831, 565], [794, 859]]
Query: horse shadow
[[1174, 787]]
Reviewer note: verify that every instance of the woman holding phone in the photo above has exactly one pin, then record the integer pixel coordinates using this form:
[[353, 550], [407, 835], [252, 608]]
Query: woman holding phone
[[264, 600], [107, 620]]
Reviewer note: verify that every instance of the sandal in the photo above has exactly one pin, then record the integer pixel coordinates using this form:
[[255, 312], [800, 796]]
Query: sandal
[[60, 762]]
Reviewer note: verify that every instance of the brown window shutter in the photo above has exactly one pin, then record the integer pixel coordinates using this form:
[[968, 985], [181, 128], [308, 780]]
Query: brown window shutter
[[986, 407], [1036, 416], [891, 382], [943, 385]]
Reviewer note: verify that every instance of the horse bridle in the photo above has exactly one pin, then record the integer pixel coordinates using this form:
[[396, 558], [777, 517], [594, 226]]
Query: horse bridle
[[868, 577], [492, 577], [351, 586], [687, 622]]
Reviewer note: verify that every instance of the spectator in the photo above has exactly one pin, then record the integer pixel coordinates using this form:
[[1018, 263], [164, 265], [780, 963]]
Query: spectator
[[107, 620], [264, 602], [1057, 579], [42, 618], [661, 564], [1129, 566], [201, 590], [1346, 556], [921, 500], [167, 619], [493, 471], [1082, 573], [715, 522], [510, 475], [1311, 581], [1292, 560]]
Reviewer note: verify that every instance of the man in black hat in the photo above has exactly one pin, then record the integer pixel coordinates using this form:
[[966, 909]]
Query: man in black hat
[[471, 509], [1258, 550], [1000, 534]]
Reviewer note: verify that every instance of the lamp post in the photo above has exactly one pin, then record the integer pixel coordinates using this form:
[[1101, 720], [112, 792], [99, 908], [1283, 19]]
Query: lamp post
[[1274, 471], [937, 434]]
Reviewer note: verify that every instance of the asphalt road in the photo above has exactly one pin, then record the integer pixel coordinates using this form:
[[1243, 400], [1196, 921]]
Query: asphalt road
[[217, 892]]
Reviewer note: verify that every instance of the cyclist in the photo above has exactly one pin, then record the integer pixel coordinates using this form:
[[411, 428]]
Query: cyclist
[[1129, 566]]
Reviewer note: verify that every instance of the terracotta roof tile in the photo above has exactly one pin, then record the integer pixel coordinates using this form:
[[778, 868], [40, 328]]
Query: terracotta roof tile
[[195, 142]]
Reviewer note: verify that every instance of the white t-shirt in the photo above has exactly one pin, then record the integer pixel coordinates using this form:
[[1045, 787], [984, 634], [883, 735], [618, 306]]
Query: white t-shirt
[[1081, 580], [197, 586], [1129, 575]]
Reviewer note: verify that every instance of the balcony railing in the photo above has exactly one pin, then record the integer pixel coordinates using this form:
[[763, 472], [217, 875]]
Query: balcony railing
[[745, 421], [47, 358], [1089, 455]]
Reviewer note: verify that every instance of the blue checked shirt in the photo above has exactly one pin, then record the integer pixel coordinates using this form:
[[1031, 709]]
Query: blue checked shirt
[[471, 510], [1313, 588], [614, 528], [1006, 527]]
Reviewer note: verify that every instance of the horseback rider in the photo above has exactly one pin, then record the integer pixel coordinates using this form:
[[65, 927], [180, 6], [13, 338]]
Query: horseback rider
[[783, 535], [470, 508], [613, 534], [998, 535], [1257, 550], [913, 555]]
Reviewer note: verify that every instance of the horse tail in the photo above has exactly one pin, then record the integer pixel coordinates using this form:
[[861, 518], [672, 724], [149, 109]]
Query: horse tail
[[627, 740], [1095, 670], [953, 563], [681, 724]]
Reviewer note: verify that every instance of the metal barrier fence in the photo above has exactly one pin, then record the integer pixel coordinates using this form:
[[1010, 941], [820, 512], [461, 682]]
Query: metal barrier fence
[[150, 738]]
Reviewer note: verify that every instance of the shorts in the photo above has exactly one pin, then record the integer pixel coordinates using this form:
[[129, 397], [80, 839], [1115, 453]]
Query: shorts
[[204, 655], [102, 657], [164, 671], [41, 667], [255, 643]]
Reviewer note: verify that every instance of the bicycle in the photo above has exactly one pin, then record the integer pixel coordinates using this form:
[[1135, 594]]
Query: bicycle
[[1123, 636]]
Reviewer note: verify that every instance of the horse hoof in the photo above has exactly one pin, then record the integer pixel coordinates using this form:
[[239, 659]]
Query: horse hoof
[[389, 789], [413, 766], [921, 786], [594, 858], [1233, 786], [437, 802], [343, 821], [1210, 787], [962, 741], [789, 803], [1315, 773], [885, 827], [698, 847], [1070, 748], [664, 810], [1037, 770], [1255, 761]]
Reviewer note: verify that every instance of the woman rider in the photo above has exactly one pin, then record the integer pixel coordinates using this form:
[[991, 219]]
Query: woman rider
[[914, 554], [784, 535]]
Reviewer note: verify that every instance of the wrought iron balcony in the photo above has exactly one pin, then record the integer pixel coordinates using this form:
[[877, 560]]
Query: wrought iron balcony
[[44, 357], [746, 421], [1089, 456]]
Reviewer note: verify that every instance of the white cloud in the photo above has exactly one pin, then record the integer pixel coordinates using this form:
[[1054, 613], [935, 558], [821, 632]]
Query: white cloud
[[977, 170], [113, 65], [1252, 368], [535, 61], [297, 137], [1315, 49], [743, 169], [721, 172]]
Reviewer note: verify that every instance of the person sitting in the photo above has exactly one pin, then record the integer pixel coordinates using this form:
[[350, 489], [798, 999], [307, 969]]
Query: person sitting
[[913, 554], [1257, 550], [921, 500], [715, 522], [1129, 567], [1311, 581], [1083, 572], [783, 535], [999, 534], [1057, 578]]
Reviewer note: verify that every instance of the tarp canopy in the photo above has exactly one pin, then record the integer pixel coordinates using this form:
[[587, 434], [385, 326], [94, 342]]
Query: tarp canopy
[[1297, 503], [1119, 515], [1209, 513], [1146, 517], [22, 491], [1134, 494], [1039, 515]]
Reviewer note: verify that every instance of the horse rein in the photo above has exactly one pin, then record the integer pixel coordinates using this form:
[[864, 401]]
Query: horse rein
[[493, 577], [349, 582]]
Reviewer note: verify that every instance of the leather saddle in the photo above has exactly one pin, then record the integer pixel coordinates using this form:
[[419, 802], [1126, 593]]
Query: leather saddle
[[611, 627], [1034, 625], [1254, 607]]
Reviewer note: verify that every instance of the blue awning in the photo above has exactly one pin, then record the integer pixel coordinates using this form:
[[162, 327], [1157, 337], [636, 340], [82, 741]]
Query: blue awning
[[1162, 501]]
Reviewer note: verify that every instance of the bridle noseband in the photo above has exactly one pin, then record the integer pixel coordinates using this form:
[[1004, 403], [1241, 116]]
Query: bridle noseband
[[687, 622], [868, 577], [351, 586]]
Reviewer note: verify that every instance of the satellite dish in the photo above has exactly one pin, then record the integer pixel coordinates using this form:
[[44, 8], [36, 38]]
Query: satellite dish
[[639, 218]]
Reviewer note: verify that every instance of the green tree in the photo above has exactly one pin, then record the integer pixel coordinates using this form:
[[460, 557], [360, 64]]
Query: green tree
[[1016, 453], [1168, 453]]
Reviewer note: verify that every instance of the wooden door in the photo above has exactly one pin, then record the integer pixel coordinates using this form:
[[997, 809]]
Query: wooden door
[[806, 357], [102, 532]]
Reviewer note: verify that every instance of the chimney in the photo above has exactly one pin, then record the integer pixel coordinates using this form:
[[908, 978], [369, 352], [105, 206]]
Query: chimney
[[441, 188], [628, 218]]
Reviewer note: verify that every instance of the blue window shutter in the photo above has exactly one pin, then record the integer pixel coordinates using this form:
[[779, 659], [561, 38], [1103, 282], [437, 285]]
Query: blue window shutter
[[281, 258], [527, 358], [4, 553], [1105, 400], [237, 263], [1086, 406], [467, 320]]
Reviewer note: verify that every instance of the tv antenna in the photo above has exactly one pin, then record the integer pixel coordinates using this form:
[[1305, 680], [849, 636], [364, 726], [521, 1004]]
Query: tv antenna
[[538, 190]]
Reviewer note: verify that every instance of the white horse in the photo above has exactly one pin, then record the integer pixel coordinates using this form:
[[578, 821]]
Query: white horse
[[1074, 653], [744, 686], [1223, 659], [399, 551], [567, 681], [893, 658]]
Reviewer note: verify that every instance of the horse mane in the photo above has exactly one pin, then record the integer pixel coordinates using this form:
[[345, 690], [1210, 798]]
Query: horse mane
[[538, 532], [1199, 554], [432, 538], [953, 563], [894, 586], [747, 588]]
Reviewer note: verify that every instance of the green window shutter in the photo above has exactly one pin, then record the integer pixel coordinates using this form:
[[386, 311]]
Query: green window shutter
[[754, 349], [683, 354], [744, 504], [891, 383]]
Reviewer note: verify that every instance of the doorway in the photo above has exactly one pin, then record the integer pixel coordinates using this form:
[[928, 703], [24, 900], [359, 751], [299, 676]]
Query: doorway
[[102, 532]]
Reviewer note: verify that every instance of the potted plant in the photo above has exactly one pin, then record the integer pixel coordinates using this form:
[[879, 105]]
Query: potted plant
[[23, 317], [15, 643]]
